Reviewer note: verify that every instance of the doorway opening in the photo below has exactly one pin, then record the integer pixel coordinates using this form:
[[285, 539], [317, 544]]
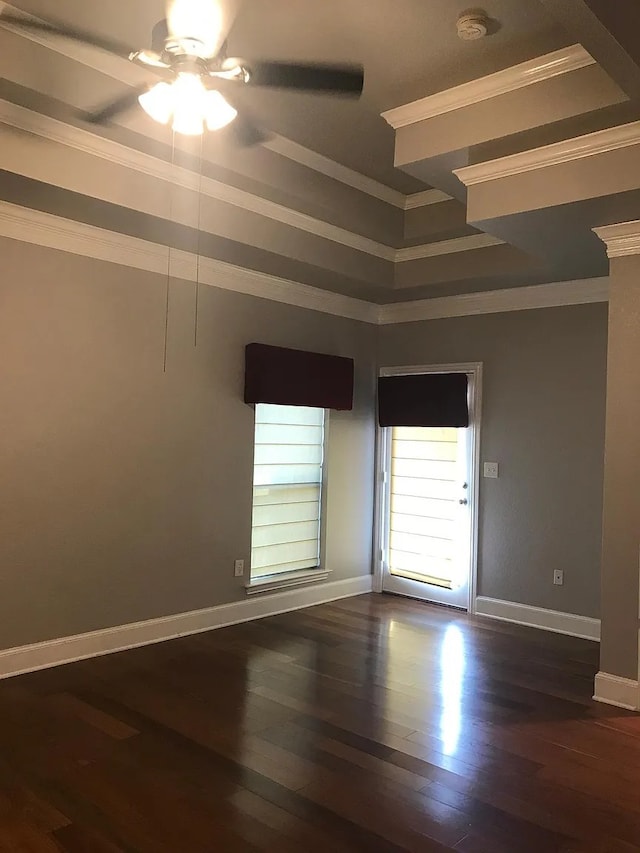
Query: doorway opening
[[428, 502]]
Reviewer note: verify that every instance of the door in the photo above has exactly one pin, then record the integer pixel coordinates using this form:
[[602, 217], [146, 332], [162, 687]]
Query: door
[[428, 509]]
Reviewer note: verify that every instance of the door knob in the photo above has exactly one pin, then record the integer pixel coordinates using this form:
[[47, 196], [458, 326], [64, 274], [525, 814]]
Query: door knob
[[463, 501]]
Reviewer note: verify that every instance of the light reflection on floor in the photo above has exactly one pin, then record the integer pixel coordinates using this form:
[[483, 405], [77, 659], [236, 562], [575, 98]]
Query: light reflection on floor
[[409, 661], [452, 666]]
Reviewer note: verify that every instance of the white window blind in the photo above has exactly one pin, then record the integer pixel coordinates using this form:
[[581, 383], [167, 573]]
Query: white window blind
[[425, 475], [287, 489]]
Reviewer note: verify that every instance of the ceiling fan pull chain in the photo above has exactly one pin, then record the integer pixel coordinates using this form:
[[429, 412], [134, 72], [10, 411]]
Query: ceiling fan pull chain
[[198, 246], [168, 287]]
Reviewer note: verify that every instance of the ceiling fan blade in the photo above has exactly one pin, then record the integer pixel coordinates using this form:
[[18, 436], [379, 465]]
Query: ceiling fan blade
[[159, 35], [31, 25], [245, 133], [117, 107], [311, 77]]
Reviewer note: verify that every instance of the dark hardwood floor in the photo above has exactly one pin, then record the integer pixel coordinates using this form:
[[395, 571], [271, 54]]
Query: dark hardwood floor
[[372, 724]]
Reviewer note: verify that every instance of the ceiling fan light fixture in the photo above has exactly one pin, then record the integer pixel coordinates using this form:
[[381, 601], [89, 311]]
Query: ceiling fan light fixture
[[187, 123], [232, 69], [158, 102], [148, 57], [189, 104]]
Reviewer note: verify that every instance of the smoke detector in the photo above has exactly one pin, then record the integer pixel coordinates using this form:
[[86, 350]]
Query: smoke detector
[[473, 26]]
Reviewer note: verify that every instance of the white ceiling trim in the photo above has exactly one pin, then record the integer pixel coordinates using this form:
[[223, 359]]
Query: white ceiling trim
[[428, 197], [622, 239], [567, 151], [448, 247], [113, 152], [54, 232], [512, 79], [113, 66], [356, 180], [497, 301], [330, 169], [83, 140], [125, 72], [78, 238]]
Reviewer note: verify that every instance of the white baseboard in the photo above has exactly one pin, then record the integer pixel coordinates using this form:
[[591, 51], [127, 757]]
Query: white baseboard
[[94, 643], [538, 617], [614, 690]]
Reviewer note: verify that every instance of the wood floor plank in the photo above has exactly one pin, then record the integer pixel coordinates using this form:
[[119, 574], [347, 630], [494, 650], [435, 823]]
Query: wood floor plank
[[83, 711], [18, 837], [79, 839], [349, 727]]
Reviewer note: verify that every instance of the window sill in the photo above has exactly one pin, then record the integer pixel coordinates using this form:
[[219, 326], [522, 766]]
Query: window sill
[[273, 584]]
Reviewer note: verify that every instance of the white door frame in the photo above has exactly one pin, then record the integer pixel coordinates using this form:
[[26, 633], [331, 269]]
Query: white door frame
[[474, 371]]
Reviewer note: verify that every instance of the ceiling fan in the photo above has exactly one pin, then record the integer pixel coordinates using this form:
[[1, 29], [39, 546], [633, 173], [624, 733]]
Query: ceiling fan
[[188, 54]]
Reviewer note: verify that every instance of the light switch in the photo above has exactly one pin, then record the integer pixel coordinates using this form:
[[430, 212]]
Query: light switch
[[491, 470]]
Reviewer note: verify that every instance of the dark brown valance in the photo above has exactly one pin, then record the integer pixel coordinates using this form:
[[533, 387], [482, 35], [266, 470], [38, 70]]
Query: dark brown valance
[[423, 400], [293, 377]]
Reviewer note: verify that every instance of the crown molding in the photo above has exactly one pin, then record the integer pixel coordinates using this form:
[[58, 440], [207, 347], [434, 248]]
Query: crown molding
[[356, 180], [492, 86], [55, 232], [344, 175], [331, 169], [116, 67], [553, 295], [83, 140], [448, 247], [78, 238], [567, 151], [425, 198], [622, 239]]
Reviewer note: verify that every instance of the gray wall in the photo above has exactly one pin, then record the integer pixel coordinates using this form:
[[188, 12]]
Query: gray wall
[[125, 492], [543, 421]]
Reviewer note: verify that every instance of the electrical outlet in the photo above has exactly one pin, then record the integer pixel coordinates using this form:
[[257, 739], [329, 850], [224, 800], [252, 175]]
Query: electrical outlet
[[558, 577], [491, 470], [238, 568]]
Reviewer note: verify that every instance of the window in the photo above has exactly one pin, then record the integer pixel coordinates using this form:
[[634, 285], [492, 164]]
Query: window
[[287, 490]]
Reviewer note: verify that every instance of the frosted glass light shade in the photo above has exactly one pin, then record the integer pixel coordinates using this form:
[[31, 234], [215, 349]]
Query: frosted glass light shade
[[189, 101], [190, 104], [158, 102], [218, 112], [187, 123]]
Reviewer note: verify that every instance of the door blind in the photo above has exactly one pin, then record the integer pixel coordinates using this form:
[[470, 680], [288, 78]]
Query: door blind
[[423, 491], [287, 489]]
